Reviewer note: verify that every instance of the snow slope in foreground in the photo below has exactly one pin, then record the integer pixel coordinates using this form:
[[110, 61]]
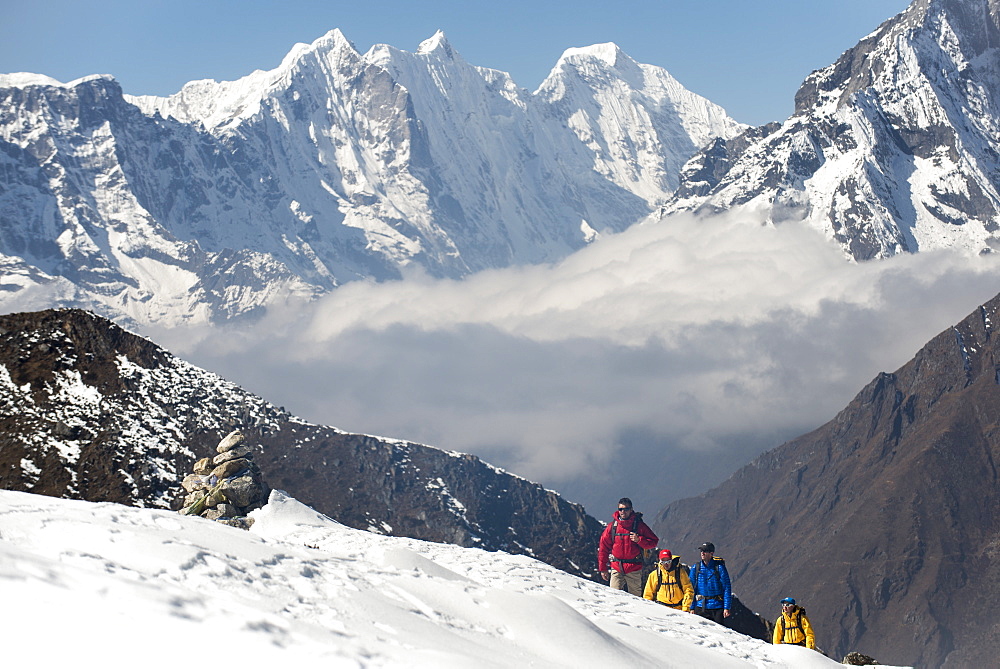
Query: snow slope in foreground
[[116, 584]]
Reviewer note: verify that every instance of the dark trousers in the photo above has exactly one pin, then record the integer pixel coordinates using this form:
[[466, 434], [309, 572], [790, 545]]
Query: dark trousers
[[715, 615]]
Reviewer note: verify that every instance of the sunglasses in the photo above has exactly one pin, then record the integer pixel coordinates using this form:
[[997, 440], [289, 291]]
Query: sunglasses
[[624, 508]]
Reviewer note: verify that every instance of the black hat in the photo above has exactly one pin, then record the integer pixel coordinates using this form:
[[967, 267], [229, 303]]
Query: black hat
[[708, 547]]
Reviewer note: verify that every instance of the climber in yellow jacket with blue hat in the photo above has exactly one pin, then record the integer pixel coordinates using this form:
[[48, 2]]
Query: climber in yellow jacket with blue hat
[[792, 626]]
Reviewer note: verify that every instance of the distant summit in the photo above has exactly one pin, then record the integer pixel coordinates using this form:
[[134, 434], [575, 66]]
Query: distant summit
[[437, 43], [609, 53]]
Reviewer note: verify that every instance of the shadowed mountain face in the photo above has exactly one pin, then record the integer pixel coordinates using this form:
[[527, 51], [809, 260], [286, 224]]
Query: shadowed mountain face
[[884, 521], [90, 411]]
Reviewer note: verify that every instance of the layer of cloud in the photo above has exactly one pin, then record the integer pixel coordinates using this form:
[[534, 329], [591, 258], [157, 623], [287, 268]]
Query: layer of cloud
[[652, 364]]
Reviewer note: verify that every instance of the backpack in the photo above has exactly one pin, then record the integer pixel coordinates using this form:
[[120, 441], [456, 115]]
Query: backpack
[[676, 570], [697, 568]]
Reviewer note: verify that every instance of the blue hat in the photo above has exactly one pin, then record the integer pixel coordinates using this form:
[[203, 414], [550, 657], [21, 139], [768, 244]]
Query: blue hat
[[788, 600]]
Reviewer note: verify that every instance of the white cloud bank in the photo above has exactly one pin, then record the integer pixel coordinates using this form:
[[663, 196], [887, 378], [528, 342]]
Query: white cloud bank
[[651, 364]]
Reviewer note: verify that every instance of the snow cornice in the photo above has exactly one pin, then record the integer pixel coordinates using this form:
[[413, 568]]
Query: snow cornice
[[609, 52]]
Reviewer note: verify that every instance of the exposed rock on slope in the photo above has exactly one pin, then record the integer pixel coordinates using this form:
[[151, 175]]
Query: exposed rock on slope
[[885, 522], [90, 411]]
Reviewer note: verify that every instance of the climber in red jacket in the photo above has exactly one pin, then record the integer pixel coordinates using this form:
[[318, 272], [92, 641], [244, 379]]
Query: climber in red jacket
[[621, 547]]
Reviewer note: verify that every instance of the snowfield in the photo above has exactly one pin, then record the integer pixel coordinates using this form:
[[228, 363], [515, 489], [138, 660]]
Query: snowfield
[[115, 584]]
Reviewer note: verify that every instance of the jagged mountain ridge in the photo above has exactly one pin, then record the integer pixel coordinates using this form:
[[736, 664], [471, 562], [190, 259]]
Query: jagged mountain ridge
[[90, 411], [334, 166], [884, 522], [894, 148]]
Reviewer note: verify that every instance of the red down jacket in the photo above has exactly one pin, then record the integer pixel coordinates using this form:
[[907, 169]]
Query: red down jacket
[[616, 549]]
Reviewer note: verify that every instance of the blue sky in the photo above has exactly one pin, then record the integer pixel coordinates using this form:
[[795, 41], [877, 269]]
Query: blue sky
[[750, 57]]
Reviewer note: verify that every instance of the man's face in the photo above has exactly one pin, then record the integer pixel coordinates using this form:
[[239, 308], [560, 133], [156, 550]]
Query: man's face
[[706, 555], [624, 511], [786, 606]]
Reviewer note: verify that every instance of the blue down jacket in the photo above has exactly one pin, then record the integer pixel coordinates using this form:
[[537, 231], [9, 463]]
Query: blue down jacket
[[712, 587]]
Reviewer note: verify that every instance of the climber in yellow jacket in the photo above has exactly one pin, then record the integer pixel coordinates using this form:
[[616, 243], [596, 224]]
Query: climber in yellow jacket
[[670, 584], [792, 626]]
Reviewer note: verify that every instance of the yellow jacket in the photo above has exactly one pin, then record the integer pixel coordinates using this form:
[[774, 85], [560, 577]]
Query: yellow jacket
[[794, 628], [673, 593]]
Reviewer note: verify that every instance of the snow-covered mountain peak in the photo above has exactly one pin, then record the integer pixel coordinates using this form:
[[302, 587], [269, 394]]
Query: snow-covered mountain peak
[[604, 92], [26, 79], [333, 40], [601, 61], [335, 166], [332, 46], [209, 102], [438, 45], [936, 44], [891, 149], [223, 105], [605, 67], [609, 52]]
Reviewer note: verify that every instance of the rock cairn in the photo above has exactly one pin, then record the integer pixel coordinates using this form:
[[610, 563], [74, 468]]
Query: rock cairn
[[227, 487], [857, 659]]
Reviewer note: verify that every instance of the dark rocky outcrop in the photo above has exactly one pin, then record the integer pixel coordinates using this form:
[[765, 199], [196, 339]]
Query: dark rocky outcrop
[[745, 621], [884, 522], [90, 411]]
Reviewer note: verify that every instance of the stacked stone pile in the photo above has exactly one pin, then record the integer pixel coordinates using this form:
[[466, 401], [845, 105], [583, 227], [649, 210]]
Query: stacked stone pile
[[227, 487], [859, 660]]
